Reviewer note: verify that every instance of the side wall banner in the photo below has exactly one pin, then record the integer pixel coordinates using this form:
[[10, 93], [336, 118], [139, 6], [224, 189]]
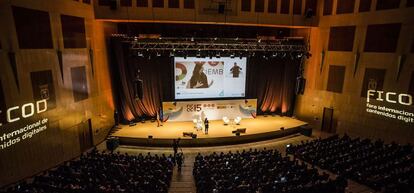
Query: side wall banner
[[213, 110]]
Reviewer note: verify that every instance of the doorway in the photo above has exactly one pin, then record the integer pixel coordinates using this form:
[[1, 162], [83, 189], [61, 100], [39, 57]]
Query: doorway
[[327, 120]]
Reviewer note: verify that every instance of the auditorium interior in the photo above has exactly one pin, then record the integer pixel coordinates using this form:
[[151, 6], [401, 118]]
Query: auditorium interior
[[206, 96]]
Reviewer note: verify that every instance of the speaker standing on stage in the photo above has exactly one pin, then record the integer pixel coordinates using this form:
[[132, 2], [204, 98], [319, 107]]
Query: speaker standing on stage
[[175, 147], [206, 125], [159, 120]]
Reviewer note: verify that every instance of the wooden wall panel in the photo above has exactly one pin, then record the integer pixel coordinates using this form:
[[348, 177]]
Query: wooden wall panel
[[272, 6], [341, 38], [173, 4], [364, 5], [313, 5], [33, 28], [382, 37], [412, 46], [345, 6], [189, 4], [79, 83], [373, 79], [43, 87], [297, 7], [126, 3], [388, 4], [158, 3], [73, 30], [410, 3], [336, 78], [259, 6], [142, 3], [411, 86], [2, 105], [104, 2], [285, 6], [246, 5], [327, 7]]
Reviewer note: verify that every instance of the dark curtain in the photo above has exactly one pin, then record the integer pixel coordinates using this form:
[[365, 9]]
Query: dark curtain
[[155, 72], [272, 81]]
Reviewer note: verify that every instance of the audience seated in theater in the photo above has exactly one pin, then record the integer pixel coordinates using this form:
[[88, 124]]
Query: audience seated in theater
[[255, 171], [107, 173], [386, 167]]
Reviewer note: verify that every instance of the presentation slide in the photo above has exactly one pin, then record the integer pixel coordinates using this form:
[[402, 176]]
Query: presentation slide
[[198, 78]]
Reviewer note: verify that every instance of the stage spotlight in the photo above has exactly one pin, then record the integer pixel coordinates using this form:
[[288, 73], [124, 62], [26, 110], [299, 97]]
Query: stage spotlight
[[218, 55], [172, 54], [185, 56], [140, 54], [259, 40], [292, 55], [232, 55], [274, 54], [192, 39], [241, 56], [158, 54]]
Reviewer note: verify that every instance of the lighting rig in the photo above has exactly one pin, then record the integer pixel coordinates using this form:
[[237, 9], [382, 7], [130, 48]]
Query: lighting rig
[[216, 47]]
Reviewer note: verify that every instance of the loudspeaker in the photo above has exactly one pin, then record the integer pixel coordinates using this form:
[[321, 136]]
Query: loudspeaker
[[309, 13], [113, 5], [237, 133], [242, 130], [306, 131], [149, 136], [221, 8], [300, 85], [194, 136], [112, 143], [188, 134], [138, 89]]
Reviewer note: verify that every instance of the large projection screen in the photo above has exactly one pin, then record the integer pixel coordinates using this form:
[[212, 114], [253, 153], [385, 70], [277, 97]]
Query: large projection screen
[[204, 78]]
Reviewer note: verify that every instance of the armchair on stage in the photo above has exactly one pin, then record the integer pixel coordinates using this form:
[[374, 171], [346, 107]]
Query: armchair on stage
[[237, 120], [198, 124], [226, 120]]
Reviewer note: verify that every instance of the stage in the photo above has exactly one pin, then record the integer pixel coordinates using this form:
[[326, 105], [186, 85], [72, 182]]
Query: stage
[[260, 128]]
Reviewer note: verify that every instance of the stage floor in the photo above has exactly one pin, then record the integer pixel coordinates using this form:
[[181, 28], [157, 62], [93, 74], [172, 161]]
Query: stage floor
[[260, 126]]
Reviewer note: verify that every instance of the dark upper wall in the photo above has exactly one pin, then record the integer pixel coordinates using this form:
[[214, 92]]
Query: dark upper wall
[[264, 12], [203, 30], [33, 36]]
